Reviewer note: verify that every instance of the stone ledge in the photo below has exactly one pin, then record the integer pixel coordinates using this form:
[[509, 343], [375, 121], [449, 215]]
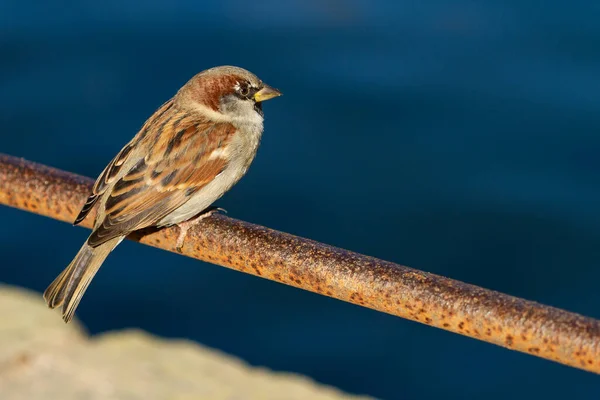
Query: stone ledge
[[42, 358]]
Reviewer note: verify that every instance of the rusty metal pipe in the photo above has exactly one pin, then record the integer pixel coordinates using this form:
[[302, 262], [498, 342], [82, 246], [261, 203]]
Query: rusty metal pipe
[[455, 306]]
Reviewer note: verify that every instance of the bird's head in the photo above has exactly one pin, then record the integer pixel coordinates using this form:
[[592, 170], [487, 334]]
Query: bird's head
[[227, 93]]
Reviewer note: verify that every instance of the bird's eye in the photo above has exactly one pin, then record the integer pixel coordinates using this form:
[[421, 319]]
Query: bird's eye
[[244, 90]]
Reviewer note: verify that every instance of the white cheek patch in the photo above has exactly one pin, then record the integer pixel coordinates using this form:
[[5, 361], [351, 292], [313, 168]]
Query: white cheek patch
[[212, 115]]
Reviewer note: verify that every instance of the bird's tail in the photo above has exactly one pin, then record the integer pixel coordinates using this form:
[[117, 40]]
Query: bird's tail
[[68, 288]]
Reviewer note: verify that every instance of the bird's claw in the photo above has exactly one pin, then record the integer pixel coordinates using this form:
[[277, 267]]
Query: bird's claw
[[185, 226], [211, 210]]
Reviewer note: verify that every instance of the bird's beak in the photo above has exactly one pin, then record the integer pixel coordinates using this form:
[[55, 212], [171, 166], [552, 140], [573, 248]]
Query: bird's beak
[[266, 93]]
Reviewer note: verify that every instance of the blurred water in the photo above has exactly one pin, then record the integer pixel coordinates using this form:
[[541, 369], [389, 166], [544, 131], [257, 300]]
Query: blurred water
[[456, 137]]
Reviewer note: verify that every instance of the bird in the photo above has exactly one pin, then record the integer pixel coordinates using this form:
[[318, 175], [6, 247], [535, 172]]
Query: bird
[[191, 151]]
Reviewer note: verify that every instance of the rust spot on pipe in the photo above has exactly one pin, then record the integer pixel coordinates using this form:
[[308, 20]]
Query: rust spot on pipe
[[455, 306]]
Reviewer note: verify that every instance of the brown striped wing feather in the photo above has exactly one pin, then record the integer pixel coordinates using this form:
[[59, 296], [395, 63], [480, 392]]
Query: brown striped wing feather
[[177, 164], [113, 168]]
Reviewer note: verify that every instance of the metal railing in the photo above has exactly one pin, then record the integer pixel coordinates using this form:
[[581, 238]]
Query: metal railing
[[434, 300]]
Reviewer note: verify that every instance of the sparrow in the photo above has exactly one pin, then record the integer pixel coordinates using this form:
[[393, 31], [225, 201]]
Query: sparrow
[[191, 151]]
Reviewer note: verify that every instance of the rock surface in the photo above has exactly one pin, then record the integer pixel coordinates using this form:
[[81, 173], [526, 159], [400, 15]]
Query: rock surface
[[42, 358]]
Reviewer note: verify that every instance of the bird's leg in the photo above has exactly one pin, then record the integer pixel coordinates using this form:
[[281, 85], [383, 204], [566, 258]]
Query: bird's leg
[[185, 226]]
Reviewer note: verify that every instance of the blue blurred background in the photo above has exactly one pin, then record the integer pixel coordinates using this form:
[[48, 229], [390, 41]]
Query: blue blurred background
[[458, 137]]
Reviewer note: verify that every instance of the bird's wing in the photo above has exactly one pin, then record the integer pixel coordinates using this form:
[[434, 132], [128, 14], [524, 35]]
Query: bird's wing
[[180, 160], [113, 169]]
